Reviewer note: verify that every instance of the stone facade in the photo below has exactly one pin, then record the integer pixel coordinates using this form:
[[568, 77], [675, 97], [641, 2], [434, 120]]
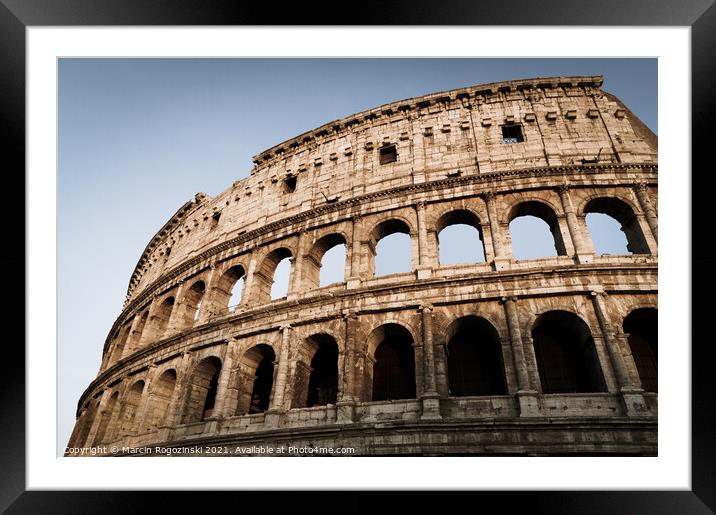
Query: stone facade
[[181, 367]]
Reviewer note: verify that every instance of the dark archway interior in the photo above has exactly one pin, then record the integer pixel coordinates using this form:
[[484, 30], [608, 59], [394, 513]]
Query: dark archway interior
[[211, 396], [641, 328], [566, 357], [475, 359], [202, 390], [394, 369], [263, 381], [323, 383]]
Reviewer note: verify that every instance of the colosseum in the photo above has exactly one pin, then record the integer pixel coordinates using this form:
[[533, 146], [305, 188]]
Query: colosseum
[[547, 356]]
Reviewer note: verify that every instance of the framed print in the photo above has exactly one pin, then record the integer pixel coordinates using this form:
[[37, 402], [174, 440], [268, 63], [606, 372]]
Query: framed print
[[271, 318]]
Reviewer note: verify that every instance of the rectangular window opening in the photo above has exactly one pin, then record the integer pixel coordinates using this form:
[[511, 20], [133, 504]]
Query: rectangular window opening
[[512, 133], [289, 184], [388, 154]]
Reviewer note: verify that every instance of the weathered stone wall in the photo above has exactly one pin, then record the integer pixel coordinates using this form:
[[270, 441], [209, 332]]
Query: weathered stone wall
[[578, 150]]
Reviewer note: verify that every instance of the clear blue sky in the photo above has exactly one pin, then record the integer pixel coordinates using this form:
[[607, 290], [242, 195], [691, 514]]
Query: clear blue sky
[[139, 137]]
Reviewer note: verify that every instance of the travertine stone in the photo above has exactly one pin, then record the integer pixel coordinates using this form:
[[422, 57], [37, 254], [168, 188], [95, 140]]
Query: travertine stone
[[557, 148]]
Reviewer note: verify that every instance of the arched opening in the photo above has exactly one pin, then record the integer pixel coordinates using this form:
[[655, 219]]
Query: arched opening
[[107, 423], [229, 288], [333, 266], [281, 277], [614, 228], [192, 303], [534, 231], [393, 370], [326, 261], [256, 379], [202, 390], [272, 277], [459, 235], [160, 399], [474, 358], [129, 408], [161, 318], [641, 328], [567, 359], [316, 375], [392, 246]]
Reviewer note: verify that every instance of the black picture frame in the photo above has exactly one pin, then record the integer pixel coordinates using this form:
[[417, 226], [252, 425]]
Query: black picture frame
[[699, 15]]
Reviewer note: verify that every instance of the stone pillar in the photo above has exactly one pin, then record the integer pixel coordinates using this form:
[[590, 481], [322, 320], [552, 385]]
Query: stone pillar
[[295, 288], [177, 315], [642, 194], [622, 341], [208, 309], [631, 394], [223, 385], [250, 279], [353, 280], [582, 255], [99, 413], [141, 414], [276, 406], [441, 377], [129, 336], [345, 405], [115, 421], [430, 398], [105, 358], [502, 259], [425, 265], [526, 395], [180, 392]]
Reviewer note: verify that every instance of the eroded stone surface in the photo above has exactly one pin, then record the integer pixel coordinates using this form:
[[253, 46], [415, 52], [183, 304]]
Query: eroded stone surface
[[556, 148]]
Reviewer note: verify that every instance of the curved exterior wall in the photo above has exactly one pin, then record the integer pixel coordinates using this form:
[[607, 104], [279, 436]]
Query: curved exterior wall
[[581, 148]]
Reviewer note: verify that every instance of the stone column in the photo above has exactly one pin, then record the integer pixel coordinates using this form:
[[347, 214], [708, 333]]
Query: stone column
[[105, 358], [345, 405], [353, 280], [430, 398], [180, 392], [631, 394], [223, 384], [441, 378], [276, 406], [526, 395], [130, 340], [249, 283], [142, 338], [115, 421], [99, 413], [208, 308], [642, 194], [177, 315], [622, 341], [425, 265], [582, 255], [296, 279], [141, 414], [502, 259]]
